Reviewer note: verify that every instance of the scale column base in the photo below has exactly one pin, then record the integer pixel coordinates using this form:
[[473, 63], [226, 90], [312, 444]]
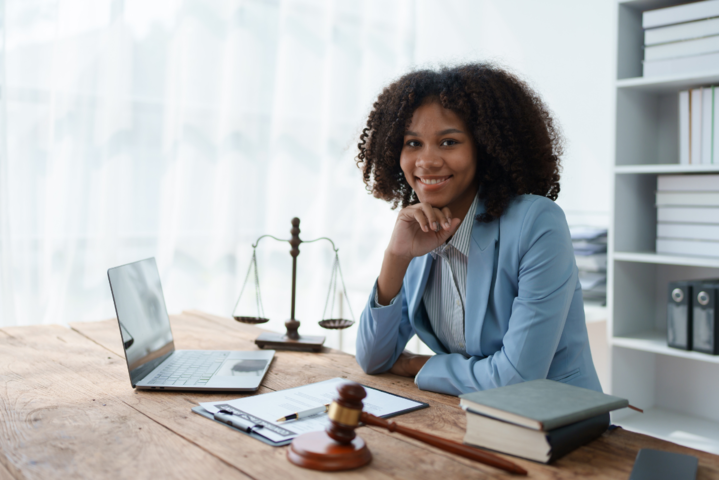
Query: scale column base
[[317, 451], [280, 341]]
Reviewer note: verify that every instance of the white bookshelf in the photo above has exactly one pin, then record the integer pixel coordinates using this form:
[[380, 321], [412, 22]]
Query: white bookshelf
[[679, 390]]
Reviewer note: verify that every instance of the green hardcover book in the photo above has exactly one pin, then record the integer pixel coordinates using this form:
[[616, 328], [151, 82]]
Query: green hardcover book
[[537, 445], [541, 404]]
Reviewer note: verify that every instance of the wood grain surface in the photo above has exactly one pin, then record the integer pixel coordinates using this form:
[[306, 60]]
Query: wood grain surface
[[67, 410]]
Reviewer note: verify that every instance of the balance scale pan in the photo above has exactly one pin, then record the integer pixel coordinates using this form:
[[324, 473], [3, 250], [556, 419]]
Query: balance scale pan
[[336, 323], [252, 320]]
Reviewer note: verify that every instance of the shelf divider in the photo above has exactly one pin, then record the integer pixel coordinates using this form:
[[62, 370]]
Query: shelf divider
[[665, 169], [662, 259], [655, 341], [669, 83]]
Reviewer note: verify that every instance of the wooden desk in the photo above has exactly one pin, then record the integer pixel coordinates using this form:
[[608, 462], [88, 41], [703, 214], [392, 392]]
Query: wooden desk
[[67, 410]]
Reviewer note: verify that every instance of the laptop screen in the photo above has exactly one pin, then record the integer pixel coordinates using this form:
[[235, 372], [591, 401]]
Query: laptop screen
[[142, 315]]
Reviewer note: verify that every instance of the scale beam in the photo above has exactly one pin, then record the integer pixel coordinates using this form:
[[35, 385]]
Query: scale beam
[[291, 340]]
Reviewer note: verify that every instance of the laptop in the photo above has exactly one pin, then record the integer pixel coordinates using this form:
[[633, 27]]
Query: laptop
[[152, 360]]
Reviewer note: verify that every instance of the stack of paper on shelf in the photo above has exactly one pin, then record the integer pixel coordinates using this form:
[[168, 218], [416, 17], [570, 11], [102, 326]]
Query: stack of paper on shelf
[[541, 420], [688, 215], [590, 252], [681, 39], [699, 126]]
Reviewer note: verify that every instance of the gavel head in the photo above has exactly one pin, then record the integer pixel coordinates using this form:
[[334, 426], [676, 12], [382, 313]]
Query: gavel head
[[345, 412]]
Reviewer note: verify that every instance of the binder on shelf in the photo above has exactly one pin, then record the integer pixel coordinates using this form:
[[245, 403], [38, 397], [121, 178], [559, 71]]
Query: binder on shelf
[[705, 317], [700, 215], [690, 248], [687, 48], [675, 66], [679, 315], [688, 215], [706, 125], [695, 126], [715, 126], [688, 231], [684, 132], [683, 31], [680, 13], [685, 183], [681, 199]]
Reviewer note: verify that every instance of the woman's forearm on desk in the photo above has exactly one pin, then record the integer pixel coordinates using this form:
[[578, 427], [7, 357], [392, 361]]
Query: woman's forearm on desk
[[409, 364]]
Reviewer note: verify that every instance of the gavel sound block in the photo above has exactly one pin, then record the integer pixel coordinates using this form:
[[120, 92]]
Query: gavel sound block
[[339, 448]]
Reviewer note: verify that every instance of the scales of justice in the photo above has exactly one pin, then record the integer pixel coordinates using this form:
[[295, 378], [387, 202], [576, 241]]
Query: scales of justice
[[292, 340]]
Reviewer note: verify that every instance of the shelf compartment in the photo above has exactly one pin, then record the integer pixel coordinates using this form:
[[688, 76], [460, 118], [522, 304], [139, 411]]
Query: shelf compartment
[[662, 259], [693, 432], [660, 169], [655, 341], [640, 293], [647, 128], [669, 83]]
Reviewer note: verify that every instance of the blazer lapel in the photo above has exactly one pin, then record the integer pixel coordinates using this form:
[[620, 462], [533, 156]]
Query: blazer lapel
[[416, 279], [480, 268], [414, 287]]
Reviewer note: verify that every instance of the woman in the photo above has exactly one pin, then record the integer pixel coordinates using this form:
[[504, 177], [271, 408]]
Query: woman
[[480, 263]]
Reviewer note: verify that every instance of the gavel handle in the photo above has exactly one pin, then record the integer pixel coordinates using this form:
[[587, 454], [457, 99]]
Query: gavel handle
[[447, 445]]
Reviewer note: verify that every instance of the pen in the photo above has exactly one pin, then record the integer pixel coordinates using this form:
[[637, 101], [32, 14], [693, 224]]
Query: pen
[[227, 417], [305, 413]]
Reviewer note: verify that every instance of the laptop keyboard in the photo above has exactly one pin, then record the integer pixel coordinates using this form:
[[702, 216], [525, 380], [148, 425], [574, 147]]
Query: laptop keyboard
[[189, 368]]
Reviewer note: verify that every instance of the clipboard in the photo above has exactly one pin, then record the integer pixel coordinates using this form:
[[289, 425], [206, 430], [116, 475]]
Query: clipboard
[[254, 433], [201, 411]]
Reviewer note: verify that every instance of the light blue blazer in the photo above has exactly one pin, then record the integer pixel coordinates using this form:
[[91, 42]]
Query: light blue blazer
[[524, 315]]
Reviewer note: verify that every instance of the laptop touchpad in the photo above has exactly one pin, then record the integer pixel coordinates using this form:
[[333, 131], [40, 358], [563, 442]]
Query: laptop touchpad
[[241, 367]]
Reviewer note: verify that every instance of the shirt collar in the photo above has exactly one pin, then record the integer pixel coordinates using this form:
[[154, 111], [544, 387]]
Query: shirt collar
[[460, 239]]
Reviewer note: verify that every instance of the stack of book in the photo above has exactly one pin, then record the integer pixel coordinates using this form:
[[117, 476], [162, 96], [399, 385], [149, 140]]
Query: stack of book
[[688, 215], [590, 252], [681, 39], [540, 420], [699, 126]]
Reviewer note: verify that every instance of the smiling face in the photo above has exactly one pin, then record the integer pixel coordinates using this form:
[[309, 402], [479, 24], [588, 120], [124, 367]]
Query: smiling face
[[439, 159]]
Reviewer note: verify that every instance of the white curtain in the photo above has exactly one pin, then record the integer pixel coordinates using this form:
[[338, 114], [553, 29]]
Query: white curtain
[[184, 130]]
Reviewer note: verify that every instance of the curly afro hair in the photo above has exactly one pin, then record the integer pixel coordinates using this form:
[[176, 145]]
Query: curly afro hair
[[518, 143]]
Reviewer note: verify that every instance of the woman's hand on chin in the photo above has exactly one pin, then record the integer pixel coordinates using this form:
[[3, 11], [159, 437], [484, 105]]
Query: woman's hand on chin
[[420, 229], [409, 364]]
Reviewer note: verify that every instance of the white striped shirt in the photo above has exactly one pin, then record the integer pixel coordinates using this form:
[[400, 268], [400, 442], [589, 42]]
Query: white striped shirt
[[445, 293]]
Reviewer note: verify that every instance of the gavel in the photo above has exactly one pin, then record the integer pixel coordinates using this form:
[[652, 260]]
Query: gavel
[[339, 448]]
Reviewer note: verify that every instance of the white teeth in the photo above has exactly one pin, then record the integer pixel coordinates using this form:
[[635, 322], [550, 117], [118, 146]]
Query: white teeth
[[432, 181]]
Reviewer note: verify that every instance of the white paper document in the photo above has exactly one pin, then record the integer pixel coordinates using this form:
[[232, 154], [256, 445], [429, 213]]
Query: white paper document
[[264, 410]]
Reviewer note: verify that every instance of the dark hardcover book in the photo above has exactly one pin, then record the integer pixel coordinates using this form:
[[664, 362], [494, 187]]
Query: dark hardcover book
[[541, 404], [658, 465], [540, 446]]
